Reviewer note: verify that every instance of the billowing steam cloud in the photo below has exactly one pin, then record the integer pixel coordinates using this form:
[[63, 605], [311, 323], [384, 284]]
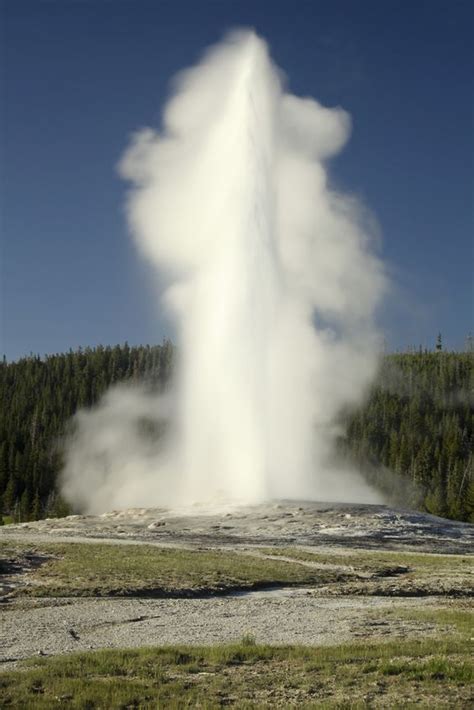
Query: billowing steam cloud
[[271, 283]]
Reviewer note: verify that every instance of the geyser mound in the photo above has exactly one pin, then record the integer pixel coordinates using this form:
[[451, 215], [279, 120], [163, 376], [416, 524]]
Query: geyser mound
[[253, 251]]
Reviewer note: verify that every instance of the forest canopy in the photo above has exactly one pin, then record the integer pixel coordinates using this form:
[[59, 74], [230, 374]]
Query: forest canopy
[[412, 439]]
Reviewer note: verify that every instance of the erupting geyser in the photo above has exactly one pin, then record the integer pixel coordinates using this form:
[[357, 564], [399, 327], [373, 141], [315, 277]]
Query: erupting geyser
[[268, 275]]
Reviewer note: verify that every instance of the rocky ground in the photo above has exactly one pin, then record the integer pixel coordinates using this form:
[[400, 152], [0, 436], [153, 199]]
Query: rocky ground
[[371, 527], [291, 617], [373, 601]]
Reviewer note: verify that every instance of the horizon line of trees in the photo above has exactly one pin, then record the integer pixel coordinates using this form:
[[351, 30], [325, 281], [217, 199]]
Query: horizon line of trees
[[408, 350], [412, 439]]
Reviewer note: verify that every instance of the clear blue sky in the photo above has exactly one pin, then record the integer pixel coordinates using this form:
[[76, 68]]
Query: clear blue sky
[[79, 76]]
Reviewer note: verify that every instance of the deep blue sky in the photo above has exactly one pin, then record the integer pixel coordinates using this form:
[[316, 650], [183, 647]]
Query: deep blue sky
[[79, 76]]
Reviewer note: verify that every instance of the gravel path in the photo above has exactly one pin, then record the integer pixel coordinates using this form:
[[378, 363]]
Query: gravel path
[[49, 627]]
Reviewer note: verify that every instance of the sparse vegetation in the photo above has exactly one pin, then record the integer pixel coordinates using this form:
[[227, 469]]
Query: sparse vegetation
[[458, 620], [423, 660], [370, 561], [389, 573], [435, 673], [96, 569]]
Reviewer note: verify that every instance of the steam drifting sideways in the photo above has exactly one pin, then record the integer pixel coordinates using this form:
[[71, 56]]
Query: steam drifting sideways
[[270, 279]]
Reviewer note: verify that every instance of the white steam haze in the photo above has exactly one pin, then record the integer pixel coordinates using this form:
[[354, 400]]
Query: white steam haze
[[272, 284]]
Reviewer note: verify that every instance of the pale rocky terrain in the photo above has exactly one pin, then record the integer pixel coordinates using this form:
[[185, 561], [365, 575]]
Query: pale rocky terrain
[[359, 606], [283, 523]]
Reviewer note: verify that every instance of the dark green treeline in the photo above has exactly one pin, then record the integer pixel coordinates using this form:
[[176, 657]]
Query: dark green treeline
[[413, 439], [39, 396]]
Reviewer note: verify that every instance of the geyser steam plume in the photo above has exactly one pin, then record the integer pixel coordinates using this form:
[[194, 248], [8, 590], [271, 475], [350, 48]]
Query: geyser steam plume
[[272, 286]]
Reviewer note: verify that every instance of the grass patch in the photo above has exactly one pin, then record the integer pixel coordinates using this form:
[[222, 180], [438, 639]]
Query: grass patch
[[390, 573], [368, 561], [460, 620], [436, 673], [96, 569]]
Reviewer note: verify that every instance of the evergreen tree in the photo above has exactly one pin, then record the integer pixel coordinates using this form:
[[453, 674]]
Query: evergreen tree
[[413, 439]]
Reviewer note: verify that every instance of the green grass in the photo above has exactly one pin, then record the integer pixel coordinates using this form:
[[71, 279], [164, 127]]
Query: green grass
[[458, 619], [402, 573], [368, 561], [98, 569], [427, 673], [76, 569]]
